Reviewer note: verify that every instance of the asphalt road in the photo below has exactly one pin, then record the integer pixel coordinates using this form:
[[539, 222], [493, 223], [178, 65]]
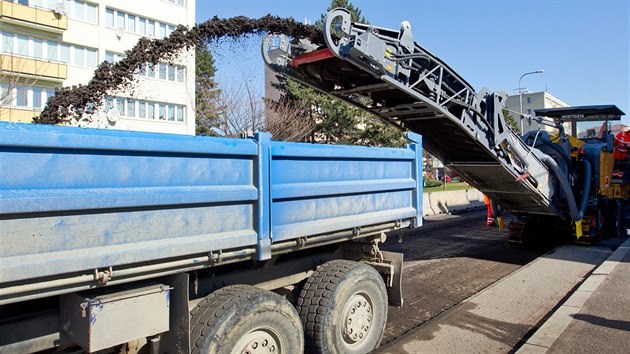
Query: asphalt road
[[446, 262]]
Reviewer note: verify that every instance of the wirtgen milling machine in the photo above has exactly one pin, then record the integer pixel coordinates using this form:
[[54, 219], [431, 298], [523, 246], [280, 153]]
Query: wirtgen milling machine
[[543, 180]]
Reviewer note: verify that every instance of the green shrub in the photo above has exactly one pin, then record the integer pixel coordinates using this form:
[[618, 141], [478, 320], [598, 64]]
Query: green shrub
[[432, 183]]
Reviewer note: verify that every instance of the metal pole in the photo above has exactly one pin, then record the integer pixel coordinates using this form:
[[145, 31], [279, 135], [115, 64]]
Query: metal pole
[[520, 96]]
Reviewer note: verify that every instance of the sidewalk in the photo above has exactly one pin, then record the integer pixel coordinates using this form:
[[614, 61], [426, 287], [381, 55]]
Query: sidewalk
[[574, 299], [595, 318], [497, 318]]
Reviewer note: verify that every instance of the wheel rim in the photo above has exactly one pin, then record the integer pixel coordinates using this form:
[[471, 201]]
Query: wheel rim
[[262, 340], [358, 316]]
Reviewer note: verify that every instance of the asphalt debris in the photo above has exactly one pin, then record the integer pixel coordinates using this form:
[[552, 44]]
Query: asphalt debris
[[74, 101]]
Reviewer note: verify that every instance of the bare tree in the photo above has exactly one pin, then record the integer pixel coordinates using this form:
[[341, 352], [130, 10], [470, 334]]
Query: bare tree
[[241, 112], [290, 120]]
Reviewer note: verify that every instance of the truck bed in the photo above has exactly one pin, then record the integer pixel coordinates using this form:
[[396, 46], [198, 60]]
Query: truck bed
[[75, 201]]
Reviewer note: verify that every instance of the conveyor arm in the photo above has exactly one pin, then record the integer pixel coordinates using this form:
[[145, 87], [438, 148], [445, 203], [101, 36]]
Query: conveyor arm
[[386, 73]]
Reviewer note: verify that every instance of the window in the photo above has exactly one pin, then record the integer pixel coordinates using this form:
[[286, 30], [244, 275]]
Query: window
[[108, 104], [151, 110], [142, 109], [38, 48], [529, 100], [180, 74], [171, 73], [529, 112], [162, 111], [22, 48], [131, 108], [50, 4], [5, 94], [150, 70], [91, 58], [4, 90], [120, 20], [79, 56], [7, 42], [51, 50], [113, 57], [120, 106], [142, 26], [171, 112], [151, 28], [37, 97], [170, 30], [109, 18], [180, 113], [21, 96], [65, 53], [79, 10], [146, 109], [131, 23], [162, 71], [92, 13], [49, 93], [162, 30]]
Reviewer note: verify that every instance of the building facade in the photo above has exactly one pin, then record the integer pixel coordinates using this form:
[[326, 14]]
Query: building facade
[[46, 44], [531, 102]]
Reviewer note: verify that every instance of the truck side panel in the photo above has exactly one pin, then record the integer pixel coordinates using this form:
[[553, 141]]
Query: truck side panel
[[317, 189], [76, 199]]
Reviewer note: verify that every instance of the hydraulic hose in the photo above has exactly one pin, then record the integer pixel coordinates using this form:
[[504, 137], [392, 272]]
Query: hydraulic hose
[[576, 214]]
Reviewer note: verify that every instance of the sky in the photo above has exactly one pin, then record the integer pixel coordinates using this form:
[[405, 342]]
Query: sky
[[582, 46]]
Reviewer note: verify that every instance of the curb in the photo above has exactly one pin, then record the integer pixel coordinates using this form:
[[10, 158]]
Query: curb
[[551, 330]]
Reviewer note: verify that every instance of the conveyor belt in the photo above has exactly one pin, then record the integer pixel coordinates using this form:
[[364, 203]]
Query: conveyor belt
[[385, 72]]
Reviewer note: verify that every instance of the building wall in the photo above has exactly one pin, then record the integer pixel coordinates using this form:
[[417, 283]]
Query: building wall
[[531, 102], [92, 31]]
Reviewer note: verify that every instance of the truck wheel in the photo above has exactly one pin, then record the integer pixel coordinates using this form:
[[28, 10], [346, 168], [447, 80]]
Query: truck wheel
[[245, 319], [343, 307]]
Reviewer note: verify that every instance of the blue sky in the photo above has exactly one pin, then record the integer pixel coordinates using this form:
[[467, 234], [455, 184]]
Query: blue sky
[[582, 45]]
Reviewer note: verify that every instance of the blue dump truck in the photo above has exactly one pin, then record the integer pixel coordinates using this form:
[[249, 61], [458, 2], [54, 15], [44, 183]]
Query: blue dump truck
[[121, 241]]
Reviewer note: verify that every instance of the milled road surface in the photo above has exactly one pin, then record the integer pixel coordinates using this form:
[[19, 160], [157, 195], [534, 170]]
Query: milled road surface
[[448, 261]]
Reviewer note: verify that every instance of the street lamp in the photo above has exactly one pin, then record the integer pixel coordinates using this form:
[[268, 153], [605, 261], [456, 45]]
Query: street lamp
[[520, 95]]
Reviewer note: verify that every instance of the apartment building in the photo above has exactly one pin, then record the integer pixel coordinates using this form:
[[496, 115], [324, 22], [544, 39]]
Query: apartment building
[[532, 101], [45, 44]]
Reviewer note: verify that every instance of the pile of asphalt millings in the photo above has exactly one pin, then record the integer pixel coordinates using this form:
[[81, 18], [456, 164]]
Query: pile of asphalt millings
[[76, 100]]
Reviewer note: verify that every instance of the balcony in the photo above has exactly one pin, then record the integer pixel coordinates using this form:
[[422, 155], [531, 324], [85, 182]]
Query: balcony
[[35, 68], [14, 114], [27, 16]]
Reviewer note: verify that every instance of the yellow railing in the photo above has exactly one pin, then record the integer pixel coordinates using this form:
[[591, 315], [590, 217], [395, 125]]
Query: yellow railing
[[33, 67], [16, 13], [13, 114]]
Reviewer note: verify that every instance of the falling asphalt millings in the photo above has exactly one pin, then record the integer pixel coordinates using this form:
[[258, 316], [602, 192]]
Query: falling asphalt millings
[[75, 100]]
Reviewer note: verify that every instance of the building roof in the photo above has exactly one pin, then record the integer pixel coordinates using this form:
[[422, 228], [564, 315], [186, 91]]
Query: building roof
[[582, 113]]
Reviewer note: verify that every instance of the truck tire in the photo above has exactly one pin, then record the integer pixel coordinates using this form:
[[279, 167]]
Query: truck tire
[[343, 307], [242, 318]]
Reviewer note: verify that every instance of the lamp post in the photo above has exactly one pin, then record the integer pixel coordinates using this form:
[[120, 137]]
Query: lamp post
[[520, 95]]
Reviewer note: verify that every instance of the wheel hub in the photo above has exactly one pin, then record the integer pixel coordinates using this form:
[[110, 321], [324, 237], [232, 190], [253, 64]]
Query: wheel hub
[[357, 317], [259, 341]]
